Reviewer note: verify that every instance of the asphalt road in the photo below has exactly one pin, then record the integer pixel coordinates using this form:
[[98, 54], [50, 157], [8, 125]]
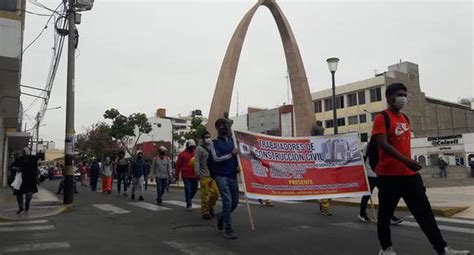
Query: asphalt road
[[113, 224]]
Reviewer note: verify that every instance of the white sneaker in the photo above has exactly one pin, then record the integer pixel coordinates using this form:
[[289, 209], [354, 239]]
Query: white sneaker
[[388, 251], [449, 251]]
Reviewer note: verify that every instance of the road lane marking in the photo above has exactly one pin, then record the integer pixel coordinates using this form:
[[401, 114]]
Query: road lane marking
[[442, 227], [180, 203], [13, 223], [110, 208], [450, 220], [198, 249], [36, 247], [149, 206], [28, 228]]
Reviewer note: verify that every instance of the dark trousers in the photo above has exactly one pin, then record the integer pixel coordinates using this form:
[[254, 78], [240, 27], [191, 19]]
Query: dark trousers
[[93, 182], [122, 178], [19, 200], [160, 188], [412, 190], [190, 189], [365, 199], [443, 173]]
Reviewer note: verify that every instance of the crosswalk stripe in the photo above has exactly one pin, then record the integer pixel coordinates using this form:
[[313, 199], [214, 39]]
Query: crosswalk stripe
[[149, 206], [110, 208], [442, 227], [28, 228], [36, 247], [13, 223], [180, 203], [450, 220]]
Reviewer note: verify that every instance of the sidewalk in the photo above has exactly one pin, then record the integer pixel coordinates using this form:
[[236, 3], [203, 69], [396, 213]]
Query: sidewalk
[[446, 202], [43, 204]]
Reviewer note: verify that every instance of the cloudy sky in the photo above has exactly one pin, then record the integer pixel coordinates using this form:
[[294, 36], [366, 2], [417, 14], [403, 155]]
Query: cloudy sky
[[137, 56]]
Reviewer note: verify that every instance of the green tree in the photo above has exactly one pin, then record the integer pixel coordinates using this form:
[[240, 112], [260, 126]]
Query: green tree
[[96, 142], [197, 129], [123, 128]]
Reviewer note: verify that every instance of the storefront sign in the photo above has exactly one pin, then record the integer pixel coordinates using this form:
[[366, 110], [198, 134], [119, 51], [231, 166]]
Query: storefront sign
[[445, 140]]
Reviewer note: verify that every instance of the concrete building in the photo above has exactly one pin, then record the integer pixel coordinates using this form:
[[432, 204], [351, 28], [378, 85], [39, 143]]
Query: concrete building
[[12, 22], [276, 121], [357, 103]]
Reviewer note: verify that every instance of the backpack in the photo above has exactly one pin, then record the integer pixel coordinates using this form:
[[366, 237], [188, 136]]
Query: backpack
[[210, 162], [372, 149]]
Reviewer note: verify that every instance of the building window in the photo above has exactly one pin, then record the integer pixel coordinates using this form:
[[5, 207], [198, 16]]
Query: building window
[[328, 104], [339, 102], [318, 106], [372, 116], [351, 100], [361, 96], [362, 118], [341, 122], [353, 120], [9, 5], [329, 123], [376, 95], [364, 137]]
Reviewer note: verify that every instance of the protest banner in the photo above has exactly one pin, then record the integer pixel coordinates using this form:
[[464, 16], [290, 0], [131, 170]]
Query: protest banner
[[281, 168]]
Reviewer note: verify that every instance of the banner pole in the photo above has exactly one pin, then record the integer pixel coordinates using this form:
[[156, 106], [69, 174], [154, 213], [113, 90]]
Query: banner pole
[[249, 211], [373, 207]]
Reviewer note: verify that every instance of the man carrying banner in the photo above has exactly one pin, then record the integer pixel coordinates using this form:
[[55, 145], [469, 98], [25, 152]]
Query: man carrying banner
[[318, 130], [398, 177], [225, 165]]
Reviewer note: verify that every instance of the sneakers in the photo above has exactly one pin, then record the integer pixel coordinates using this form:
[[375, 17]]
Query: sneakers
[[363, 218], [325, 212], [206, 216], [125, 194], [396, 221], [140, 198], [19, 211], [230, 234], [220, 222], [388, 251], [189, 209], [27, 207], [449, 251]]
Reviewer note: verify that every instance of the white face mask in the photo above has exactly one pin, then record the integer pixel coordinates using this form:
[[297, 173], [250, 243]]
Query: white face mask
[[208, 141], [400, 102]]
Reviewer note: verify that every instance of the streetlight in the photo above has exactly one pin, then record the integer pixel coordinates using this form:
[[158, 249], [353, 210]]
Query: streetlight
[[332, 65]]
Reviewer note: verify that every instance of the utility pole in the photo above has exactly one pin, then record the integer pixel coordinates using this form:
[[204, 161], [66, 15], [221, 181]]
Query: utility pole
[[37, 131], [70, 132]]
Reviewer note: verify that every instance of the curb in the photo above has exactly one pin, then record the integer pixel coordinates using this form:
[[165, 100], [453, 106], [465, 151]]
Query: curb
[[59, 210]]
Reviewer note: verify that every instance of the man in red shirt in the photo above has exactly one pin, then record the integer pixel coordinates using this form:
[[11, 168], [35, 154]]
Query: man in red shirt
[[398, 177], [190, 179]]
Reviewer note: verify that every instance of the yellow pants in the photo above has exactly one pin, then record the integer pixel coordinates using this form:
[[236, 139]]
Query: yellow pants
[[209, 194], [324, 204]]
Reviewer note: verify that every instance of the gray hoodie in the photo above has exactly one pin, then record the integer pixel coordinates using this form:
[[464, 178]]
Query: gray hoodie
[[161, 168]]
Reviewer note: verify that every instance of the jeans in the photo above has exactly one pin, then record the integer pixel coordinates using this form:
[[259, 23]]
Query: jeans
[[229, 191], [160, 188], [209, 194], [19, 200], [365, 199], [412, 190], [190, 189], [138, 182], [122, 178], [443, 173]]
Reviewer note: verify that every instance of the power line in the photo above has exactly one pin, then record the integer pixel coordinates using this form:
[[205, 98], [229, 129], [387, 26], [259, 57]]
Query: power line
[[42, 30], [35, 2]]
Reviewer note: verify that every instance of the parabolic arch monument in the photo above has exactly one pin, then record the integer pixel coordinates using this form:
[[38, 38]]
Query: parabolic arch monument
[[302, 103]]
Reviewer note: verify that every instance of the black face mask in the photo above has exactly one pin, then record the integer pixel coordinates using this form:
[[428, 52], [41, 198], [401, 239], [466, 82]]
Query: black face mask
[[139, 157], [190, 149], [162, 153], [223, 131]]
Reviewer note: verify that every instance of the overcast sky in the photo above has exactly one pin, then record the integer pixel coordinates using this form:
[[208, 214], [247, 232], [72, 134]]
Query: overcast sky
[[137, 56]]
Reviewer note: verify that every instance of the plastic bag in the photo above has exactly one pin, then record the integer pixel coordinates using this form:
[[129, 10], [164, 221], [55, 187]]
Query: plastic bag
[[16, 184]]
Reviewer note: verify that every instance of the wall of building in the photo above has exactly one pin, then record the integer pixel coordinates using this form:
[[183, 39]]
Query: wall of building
[[267, 121]]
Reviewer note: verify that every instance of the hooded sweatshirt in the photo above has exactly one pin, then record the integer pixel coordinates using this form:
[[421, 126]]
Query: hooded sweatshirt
[[183, 166]]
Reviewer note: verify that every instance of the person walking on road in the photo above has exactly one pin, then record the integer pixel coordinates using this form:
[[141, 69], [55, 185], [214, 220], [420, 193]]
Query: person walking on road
[[28, 167], [147, 172], [442, 167], [372, 177], [83, 170], [122, 172], [160, 170], [225, 168], [209, 192], [186, 169], [398, 175], [106, 172], [138, 176], [94, 174]]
